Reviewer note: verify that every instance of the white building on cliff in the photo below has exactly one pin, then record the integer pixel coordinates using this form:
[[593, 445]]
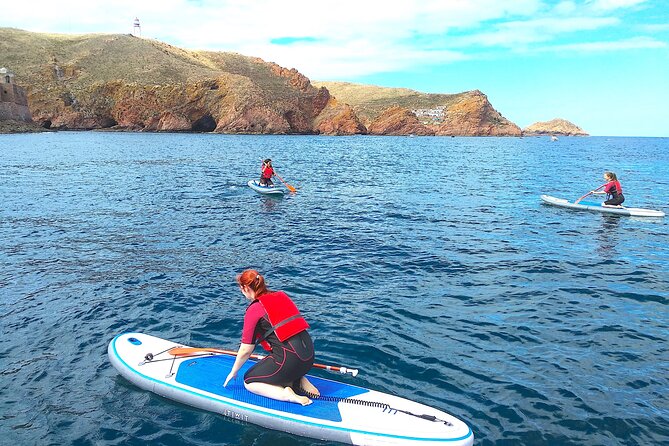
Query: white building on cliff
[[13, 99]]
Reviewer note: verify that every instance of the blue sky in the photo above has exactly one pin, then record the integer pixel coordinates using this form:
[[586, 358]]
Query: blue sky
[[602, 64]]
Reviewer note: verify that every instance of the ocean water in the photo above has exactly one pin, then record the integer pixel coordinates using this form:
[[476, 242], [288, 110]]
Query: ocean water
[[429, 263]]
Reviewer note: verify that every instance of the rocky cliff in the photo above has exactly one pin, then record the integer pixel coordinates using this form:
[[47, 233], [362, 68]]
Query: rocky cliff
[[554, 127], [392, 111], [128, 83], [473, 115]]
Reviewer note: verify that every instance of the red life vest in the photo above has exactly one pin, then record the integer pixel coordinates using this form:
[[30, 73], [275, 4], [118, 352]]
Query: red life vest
[[267, 171], [613, 188], [283, 315]]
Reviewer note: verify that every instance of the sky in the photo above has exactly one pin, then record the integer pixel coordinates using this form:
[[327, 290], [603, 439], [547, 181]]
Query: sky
[[601, 64]]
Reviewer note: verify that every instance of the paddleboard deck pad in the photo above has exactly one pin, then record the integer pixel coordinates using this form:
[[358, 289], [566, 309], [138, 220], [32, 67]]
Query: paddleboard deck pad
[[267, 190], [597, 207], [344, 413]]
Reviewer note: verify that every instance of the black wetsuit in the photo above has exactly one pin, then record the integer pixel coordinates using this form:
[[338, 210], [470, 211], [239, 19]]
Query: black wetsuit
[[288, 361]]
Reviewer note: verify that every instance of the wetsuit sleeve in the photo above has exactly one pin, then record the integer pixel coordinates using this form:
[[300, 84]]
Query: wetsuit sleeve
[[253, 314]]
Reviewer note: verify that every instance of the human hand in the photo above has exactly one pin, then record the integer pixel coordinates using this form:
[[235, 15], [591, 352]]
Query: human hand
[[231, 375]]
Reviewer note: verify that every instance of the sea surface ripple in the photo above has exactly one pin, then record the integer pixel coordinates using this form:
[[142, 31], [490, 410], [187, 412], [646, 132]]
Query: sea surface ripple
[[428, 262]]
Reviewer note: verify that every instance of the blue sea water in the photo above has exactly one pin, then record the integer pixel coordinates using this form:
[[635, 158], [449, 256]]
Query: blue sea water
[[429, 263]]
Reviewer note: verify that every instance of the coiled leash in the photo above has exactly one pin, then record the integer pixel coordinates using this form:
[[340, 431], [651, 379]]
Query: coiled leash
[[386, 407]]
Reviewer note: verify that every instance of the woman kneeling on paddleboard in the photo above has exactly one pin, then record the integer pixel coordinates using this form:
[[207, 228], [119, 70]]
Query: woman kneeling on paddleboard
[[612, 189], [273, 321]]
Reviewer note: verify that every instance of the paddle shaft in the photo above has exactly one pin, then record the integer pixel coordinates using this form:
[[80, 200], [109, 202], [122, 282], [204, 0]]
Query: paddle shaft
[[181, 351], [591, 192]]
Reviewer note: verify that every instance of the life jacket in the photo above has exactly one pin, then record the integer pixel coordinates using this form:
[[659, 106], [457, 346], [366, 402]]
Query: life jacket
[[613, 188], [283, 315], [267, 171]]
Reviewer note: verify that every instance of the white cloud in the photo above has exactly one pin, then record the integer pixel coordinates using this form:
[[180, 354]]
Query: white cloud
[[634, 43], [512, 34], [565, 7], [608, 5], [655, 27]]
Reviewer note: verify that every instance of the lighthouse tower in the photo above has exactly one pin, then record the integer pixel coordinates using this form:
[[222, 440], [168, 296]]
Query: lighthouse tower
[[136, 28]]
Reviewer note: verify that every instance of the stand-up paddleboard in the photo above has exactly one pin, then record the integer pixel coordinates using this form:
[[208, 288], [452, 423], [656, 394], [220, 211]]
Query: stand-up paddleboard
[[343, 413], [267, 190], [597, 207]]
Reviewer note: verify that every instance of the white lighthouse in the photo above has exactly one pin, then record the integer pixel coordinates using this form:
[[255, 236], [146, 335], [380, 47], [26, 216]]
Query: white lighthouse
[[136, 28]]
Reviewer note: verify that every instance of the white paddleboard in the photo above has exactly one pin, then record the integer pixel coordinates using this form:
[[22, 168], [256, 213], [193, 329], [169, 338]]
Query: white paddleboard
[[597, 207], [267, 190], [344, 413]]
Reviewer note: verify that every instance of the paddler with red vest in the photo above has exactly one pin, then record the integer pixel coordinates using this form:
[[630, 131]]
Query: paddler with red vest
[[266, 173], [612, 189], [273, 320]]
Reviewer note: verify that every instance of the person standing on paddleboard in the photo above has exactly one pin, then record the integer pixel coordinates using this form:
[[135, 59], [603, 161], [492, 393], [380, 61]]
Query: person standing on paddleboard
[[266, 173], [612, 189], [273, 320]]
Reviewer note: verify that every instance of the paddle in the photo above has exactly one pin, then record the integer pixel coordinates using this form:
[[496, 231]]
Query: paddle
[[288, 186], [181, 351], [589, 193]]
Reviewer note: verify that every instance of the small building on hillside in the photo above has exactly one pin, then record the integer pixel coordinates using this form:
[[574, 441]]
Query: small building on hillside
[[13, 99]]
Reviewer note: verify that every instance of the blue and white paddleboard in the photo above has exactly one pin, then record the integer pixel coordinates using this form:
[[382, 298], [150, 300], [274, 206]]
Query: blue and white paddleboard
[[267, 190], [354, 415], [597, 207]]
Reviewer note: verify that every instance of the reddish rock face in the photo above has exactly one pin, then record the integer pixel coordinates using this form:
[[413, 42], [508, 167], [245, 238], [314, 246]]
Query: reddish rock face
[[180, 107], [473, 115], [338, 119], [398, 121]]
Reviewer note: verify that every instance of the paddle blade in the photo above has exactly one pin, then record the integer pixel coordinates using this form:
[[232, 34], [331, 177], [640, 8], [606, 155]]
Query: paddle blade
[[288, 186]]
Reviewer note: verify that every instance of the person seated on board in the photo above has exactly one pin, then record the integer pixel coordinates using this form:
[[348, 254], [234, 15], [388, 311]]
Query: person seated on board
[[613, 191], [273, 320], [266, 173]]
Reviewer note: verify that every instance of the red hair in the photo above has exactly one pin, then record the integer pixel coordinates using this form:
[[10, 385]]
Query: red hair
[[252, 279]]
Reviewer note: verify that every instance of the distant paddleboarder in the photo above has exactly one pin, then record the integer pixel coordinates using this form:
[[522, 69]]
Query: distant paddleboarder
[[266, 173], [273, 320]]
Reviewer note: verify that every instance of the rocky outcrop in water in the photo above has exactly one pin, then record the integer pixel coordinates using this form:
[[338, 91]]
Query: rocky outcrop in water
[[555, 126]]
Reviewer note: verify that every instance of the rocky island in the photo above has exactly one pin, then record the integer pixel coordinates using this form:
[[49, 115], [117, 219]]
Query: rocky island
[[555, 126]]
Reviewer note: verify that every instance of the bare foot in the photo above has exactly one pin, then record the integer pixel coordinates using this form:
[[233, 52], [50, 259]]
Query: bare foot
[[292, 397], [308, 387]]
